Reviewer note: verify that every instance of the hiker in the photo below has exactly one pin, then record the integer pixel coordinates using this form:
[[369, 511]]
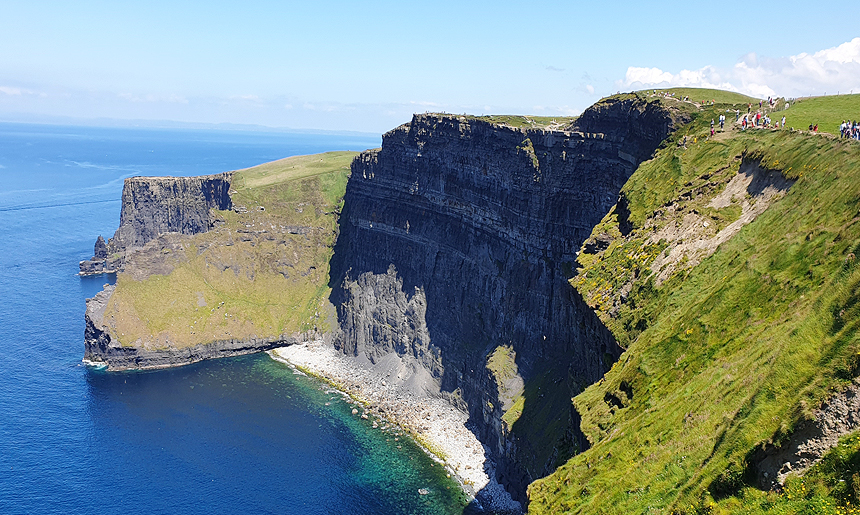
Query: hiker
[[737, 115], [815, 128], [783, 122], [722, 121], [712, 126]]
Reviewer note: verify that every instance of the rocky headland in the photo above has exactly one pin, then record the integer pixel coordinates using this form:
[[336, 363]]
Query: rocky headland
[[152, 206], [454, 249], [217, 266]]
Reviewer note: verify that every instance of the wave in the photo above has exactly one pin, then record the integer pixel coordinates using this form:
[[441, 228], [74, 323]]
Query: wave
[[87, 164], [18, 192], [63, 204]]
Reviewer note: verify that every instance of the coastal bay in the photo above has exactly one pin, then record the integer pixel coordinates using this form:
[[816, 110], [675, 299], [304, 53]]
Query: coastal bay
[[236, 435]]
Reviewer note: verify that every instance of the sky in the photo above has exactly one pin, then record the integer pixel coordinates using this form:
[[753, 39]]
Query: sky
[[368, 66]]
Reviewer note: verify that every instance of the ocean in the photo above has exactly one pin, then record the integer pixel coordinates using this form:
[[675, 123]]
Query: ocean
[[238, 435]]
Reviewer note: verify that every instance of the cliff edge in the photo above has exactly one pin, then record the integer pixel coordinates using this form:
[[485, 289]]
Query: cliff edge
[[218, 265], [152, 206], [727, 272], [457, 241]]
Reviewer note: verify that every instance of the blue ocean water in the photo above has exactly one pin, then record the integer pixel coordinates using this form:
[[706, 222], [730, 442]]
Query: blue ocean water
[[238, 435]]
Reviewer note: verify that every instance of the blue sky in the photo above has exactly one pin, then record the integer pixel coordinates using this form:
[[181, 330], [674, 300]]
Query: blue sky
[[368, 66]]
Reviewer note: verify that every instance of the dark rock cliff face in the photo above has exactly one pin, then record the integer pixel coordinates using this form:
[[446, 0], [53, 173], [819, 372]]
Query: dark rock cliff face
[[157, 205], [459, 236]]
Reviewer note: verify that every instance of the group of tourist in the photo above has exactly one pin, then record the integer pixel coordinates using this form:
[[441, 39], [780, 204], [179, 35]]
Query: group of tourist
[[671, 94], [760, 120], [850, 129]]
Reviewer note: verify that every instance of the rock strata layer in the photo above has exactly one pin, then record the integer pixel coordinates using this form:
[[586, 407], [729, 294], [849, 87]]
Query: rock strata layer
[[458, 238]]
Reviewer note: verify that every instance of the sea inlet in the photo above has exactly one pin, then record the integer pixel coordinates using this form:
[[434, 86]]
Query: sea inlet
[[236, 435]]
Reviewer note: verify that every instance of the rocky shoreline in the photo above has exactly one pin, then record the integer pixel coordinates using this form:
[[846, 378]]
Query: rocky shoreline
[[433, 422], [103, 351]]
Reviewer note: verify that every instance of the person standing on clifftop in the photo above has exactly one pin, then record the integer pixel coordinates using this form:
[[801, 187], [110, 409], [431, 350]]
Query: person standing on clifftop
[[722, 121]]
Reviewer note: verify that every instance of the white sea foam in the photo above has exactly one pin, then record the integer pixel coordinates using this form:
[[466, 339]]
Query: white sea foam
[[98, 365]]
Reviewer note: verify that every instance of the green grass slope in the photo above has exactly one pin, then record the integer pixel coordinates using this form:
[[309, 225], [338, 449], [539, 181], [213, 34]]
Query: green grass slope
[[727, 354], [262, 272], [827, 112], [530, 122], [700, 95]]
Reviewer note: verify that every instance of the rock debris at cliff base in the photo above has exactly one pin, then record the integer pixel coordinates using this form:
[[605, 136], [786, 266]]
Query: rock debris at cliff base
[[435, 423]]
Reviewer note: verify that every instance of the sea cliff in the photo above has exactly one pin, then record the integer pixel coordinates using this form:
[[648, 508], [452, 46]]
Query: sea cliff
[[219, 265], [694, 292], [152, 206], [456, 244]]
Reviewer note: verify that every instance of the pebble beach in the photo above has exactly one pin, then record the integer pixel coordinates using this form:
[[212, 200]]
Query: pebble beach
[[433, 422]]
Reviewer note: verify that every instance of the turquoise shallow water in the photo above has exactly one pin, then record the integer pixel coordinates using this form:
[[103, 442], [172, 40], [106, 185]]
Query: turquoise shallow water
[[238, 435]]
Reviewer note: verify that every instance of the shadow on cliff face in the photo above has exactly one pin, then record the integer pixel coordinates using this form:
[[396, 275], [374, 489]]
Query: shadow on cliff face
[[484, 347], [540, 429], [456, 243]]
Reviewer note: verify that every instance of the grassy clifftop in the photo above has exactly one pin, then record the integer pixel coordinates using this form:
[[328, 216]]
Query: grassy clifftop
[[728, 271], [261, 272]]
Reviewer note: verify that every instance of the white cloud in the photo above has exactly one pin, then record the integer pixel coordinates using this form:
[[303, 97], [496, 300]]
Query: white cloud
[[424, 103], [17, 92], [173, 99], [831, 70]]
